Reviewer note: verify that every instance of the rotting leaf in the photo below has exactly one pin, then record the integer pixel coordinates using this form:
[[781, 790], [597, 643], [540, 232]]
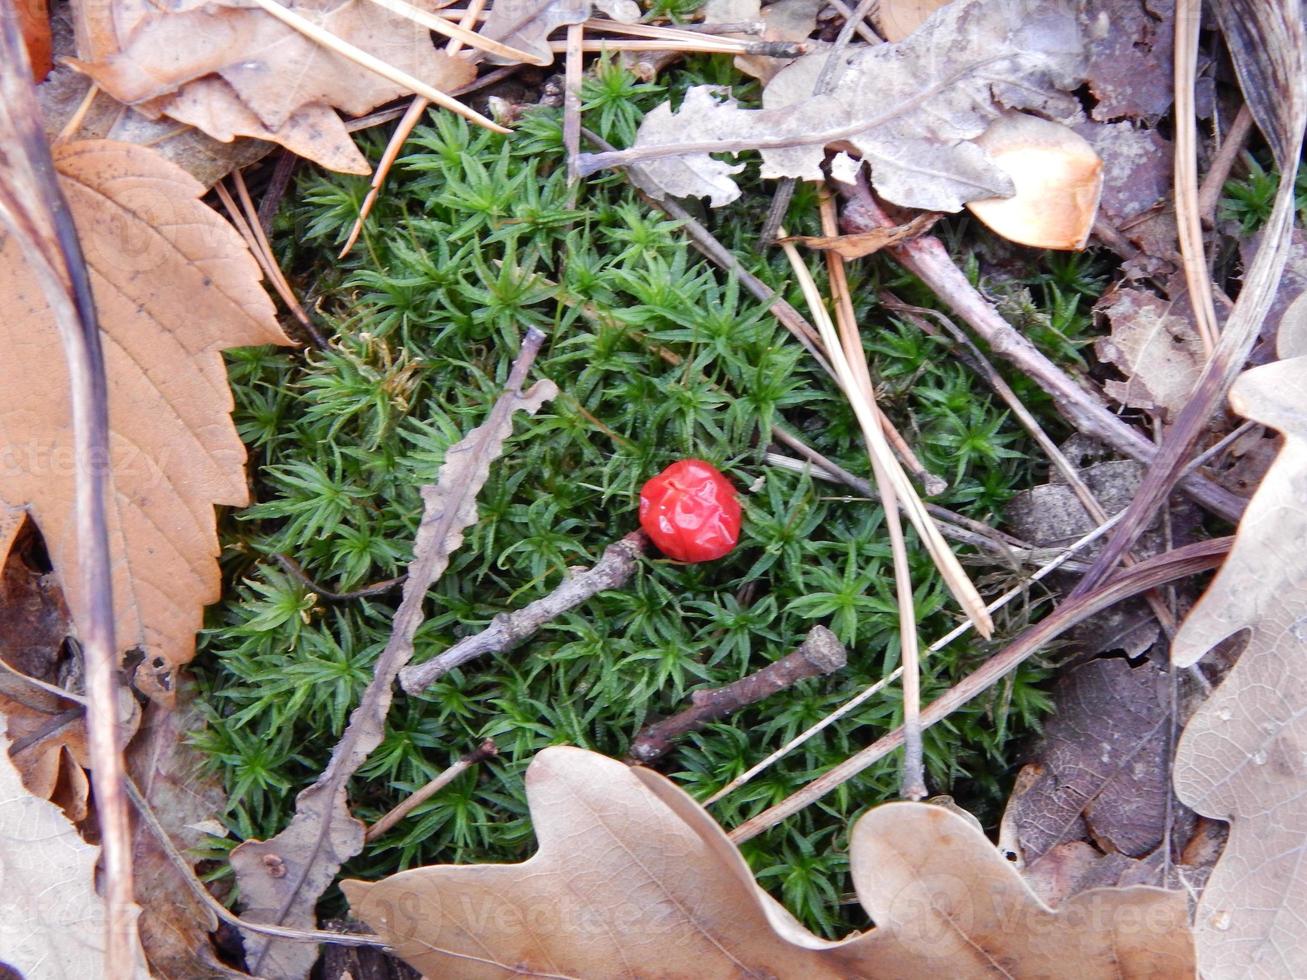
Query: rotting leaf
[[233, 70], [51, 918], [1241, 757], [1102, 768], [174, 285], [1158, 352], [910, 109], [1130, 58], [281, 879], [631, 872]]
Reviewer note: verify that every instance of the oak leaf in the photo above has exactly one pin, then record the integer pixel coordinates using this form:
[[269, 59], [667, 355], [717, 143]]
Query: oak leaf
[[633, 878], [1241, 757], [174, 285]]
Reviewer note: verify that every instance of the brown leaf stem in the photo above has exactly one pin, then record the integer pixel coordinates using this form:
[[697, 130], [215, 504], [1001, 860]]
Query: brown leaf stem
[[821, 652], [508, 630]]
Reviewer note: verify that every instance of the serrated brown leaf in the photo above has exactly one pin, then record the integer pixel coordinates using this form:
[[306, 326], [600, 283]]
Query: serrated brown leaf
[[634, 878], [1241, 757], [174, 285], [1159, 353]]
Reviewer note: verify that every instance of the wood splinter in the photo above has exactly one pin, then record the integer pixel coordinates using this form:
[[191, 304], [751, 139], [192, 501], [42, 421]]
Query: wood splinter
[[821, 652]]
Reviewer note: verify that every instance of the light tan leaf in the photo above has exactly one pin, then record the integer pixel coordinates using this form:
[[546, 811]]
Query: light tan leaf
[[255, 76], [281, 879], [51, 919], [1159, 353], [911, 110], [1241, 757], [632, 874], [1058, 179], [174, 285], [896, 19]]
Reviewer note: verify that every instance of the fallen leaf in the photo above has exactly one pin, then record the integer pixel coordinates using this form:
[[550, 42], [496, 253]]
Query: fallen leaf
[[896, 19], [51, 919], [632, 872], [1131, 58], [281, 879], [910, 109], [527, 24], [1057, 177], [1241, 758], [174, 285], [868, 242], [233, 70], [34, 23], [170, 772], [784, 20], [1158, 352], [1102, 770]]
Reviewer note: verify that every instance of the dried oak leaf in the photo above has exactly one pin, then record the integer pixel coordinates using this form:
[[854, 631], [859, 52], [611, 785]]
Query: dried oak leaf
[[632, 874], [232, 70], [1159, 353], [174, 285], [1241, 757], [51, 919], [909, 109]]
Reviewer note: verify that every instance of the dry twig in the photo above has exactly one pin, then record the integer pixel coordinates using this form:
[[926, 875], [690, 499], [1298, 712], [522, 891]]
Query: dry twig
[[485, 750]]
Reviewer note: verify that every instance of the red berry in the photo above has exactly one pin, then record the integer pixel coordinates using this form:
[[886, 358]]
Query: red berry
[[690, 511]]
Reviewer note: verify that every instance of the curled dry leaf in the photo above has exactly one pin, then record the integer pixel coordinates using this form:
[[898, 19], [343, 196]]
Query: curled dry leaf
[[1057, 178], [1159, 353], [232, 70], [1241, 756], [174, 285], [910, 109], [51, 919], [632, 872], [868, 242]]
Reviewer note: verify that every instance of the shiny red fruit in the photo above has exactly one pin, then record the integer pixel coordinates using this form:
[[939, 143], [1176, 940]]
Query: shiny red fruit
[[691, 511]]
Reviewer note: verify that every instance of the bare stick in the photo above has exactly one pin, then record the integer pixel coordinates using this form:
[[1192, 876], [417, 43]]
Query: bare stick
[[374, 64], [572, 72], [1187, 214], [703, 44], [485, 750], [296, 571], [509, 630], [1086, 410], [1060, 561], [459, 33], [1180, 563], [1214, 182], [821, 652], [34, 210]]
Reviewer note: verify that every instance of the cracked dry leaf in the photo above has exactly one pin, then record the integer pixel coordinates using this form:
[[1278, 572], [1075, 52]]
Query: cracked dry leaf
[[174, 285], [1159, 353], [1241, 758], [51, 919], [633, 876], [231, 70], [910, 109]]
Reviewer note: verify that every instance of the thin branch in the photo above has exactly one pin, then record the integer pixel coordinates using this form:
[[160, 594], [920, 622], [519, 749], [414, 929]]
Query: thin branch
[[296, 571], [820, 653], [1214, 181], [33, 208], [1183, 562], [486, 750], [572, 77], [509, 630]]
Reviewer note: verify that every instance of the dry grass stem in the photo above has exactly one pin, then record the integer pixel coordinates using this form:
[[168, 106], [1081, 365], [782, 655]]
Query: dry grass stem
[[459, 31], [1214, 181]]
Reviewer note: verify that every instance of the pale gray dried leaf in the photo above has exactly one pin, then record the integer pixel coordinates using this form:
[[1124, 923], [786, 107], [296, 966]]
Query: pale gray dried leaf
[[910, 109], [281, 879], [51, 919], [527, 24], [1102, 764], [1158, 352], [1241, 756]]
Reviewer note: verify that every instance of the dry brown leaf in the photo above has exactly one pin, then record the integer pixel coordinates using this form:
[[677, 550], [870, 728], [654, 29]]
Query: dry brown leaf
[[1057, 176], [910, 109], [1241, 756], [1158, 352], [632, 874], [1103, 769], [1131, 58], [51, 919], [174, 285], [233, 70], [896, 19], [281, 879], [34, 22], [868, 242]]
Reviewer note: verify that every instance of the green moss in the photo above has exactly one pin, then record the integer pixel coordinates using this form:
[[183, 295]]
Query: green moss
[[474, 240]]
